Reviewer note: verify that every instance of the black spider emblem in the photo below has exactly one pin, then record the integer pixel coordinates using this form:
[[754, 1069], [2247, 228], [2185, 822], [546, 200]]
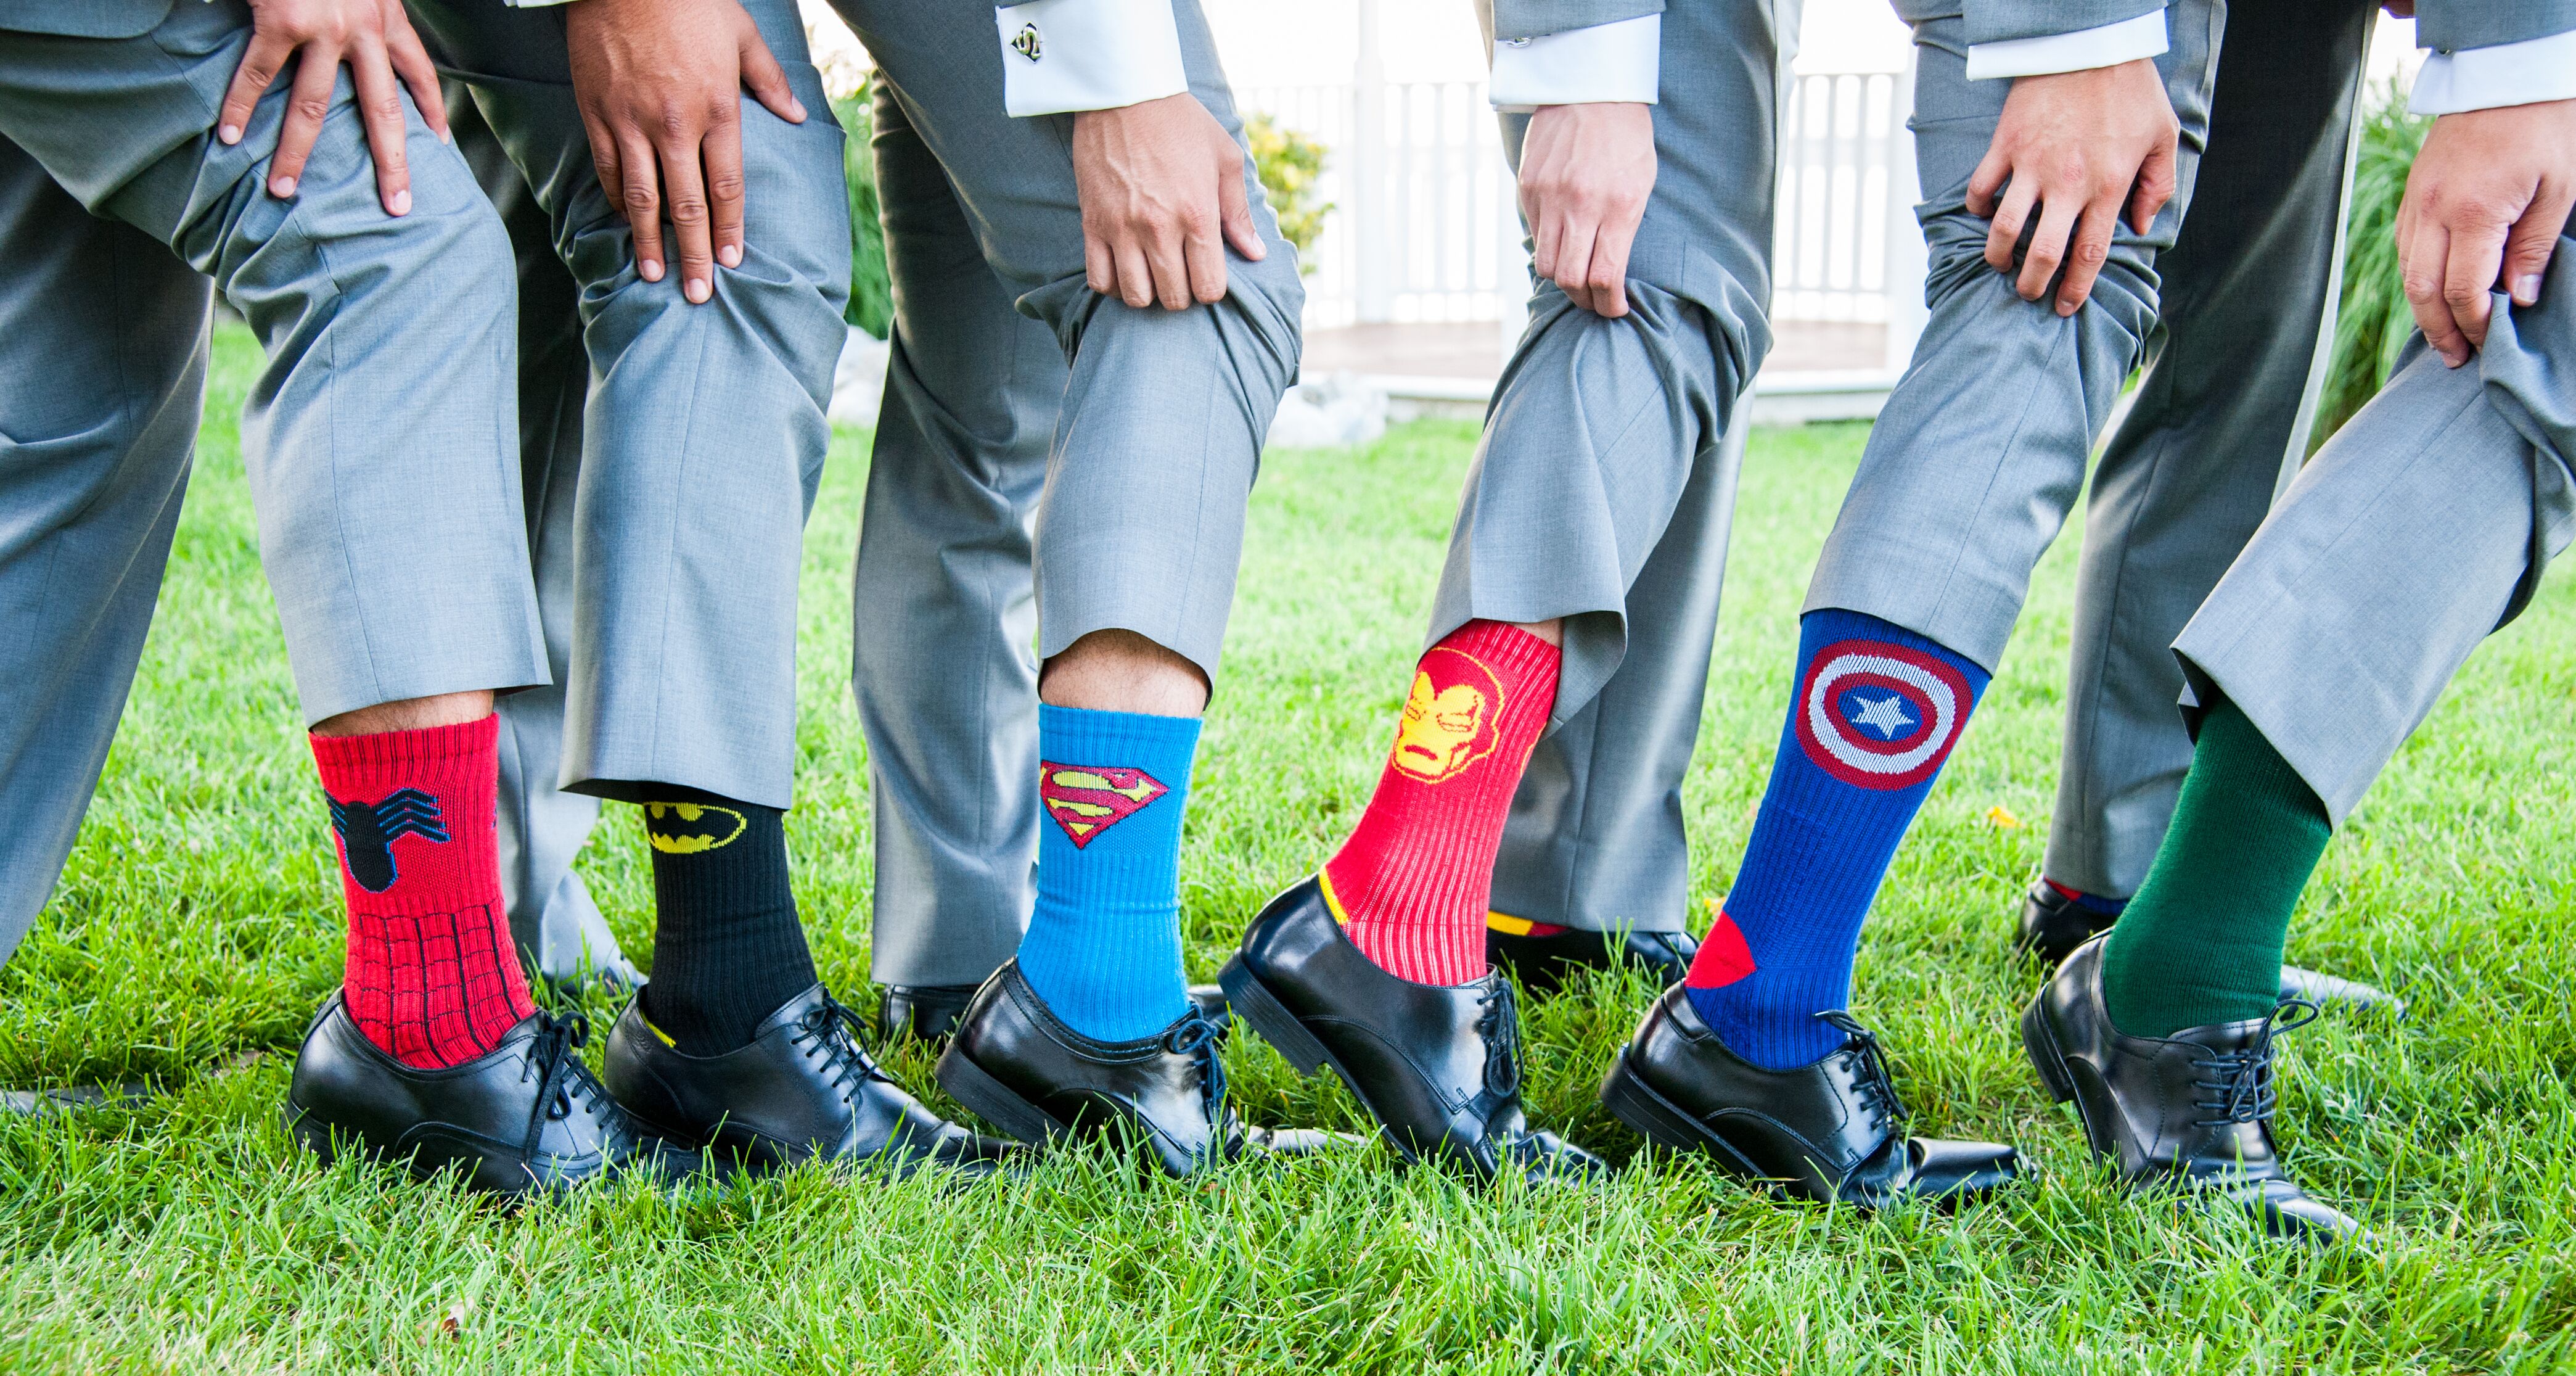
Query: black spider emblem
[[368, 830]]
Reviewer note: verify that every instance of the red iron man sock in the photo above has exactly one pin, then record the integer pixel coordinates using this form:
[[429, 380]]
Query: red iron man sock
[[433, 977], [1412, 883]]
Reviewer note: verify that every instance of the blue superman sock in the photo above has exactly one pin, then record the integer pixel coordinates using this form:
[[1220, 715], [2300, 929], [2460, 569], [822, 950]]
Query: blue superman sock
[[1104, 944], [1876, 712]]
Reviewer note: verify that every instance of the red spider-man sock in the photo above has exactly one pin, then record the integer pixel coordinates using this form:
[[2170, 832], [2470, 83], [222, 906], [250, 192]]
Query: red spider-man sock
[[1412, 883], [433, 977]]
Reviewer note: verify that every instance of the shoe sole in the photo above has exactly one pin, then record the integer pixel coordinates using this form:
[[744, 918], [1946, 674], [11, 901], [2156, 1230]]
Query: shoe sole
[[1262, 1010], [310, 1133], [1659, 1120], [994, 1102], [2039, 1042]]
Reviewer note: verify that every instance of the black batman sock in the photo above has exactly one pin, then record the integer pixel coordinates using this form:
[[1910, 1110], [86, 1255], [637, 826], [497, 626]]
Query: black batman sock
[[727, 950]]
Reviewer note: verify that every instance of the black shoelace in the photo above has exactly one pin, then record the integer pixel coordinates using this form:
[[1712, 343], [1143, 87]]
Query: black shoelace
[[1876, 1089], [1499, 1025], [830, 1030], [1196, 1036], [564, 1080], [2241, 1081]]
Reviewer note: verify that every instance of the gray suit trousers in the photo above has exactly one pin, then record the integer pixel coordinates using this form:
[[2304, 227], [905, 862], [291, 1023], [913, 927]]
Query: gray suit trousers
[[2420, 527], [1981, 449], [1598, 426], [378, 439], [703, 435], [2218, 428], [1605, 487], [2220, 423], [540, 826], [1049, 463]]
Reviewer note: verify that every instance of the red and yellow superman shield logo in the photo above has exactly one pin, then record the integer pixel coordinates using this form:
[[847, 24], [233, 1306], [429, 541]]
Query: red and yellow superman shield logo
[[1087, 800]]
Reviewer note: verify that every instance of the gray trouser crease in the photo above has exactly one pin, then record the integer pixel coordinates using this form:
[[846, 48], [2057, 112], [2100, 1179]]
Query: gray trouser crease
[[2419, 528], [1049, 463], [378, 439]]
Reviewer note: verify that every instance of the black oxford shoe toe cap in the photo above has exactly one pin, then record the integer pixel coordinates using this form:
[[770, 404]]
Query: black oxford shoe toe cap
[[1944, 1169], [2290, 1212]]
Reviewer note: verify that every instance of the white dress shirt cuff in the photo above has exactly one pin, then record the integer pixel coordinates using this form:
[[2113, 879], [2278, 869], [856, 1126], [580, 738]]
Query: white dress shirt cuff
[[1606, 62], [533, 4], [2524, 73], [1066, 55], [2106, 46]]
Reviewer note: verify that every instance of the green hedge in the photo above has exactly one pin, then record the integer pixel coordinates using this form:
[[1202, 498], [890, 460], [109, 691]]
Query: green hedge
[[2372, 320], [871, 291]]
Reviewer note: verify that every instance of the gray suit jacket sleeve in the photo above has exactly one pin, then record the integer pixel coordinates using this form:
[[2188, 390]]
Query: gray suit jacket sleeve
[[1516, 19], [84, 18], [2450, 25], [1997, 21]]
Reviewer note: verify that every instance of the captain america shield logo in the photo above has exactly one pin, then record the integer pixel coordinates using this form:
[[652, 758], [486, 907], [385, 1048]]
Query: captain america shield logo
[[1878, 715]]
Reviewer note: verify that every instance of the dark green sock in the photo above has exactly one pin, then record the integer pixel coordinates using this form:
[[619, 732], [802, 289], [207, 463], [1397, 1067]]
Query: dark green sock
[[2201, 943]]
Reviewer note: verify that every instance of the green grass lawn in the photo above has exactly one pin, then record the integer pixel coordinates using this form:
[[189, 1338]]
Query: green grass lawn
[[198, 926]]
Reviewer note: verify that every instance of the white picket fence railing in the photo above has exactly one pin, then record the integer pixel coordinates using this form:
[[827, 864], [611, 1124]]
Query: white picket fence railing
[[1422, 227]]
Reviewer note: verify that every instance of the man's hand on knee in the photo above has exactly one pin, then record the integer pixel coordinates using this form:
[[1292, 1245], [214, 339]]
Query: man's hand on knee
[[2484, 205], [2077, 148], [1586, 174], [660, 87], [1159, 182], [375, 39]]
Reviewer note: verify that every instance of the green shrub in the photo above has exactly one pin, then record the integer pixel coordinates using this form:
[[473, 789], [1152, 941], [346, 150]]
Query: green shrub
[[871, 291], [1288, 163], [2372, 320]]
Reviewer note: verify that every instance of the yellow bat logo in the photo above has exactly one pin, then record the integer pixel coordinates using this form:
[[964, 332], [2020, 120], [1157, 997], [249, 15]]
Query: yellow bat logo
[[689, 828]]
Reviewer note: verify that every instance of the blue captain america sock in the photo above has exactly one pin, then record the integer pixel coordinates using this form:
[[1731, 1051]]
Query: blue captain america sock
[[1876, 711], [1104, 943]]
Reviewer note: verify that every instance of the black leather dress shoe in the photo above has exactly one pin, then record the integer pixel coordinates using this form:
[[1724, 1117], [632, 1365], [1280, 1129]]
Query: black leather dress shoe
[[1438, 1066], [802, 1089], [929, 1012], [523, 1118], [2053, 925], [1030, 1074], [1543, 962], [2193, 1110], [1827, 1131]]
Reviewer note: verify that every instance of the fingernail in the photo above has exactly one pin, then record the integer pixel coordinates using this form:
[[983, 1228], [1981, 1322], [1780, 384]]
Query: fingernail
[[402, 203], [281, 187], [730, 255], [651, 268], [695, 289], [2526, 290], [447, 136], [230, 133], [798, 106]]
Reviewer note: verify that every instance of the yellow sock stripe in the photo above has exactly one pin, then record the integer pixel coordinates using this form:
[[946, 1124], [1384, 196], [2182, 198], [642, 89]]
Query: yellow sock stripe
[[1332, 904], [1508, 924]]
